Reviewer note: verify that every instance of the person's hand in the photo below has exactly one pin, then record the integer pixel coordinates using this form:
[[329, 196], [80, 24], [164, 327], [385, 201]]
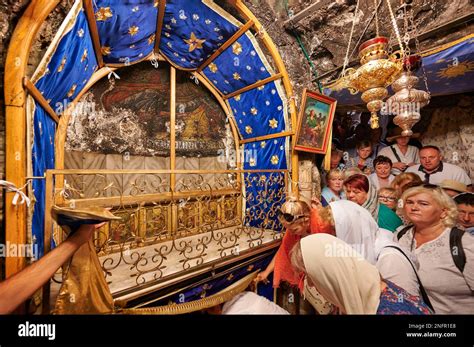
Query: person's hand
[[400, 166], [261, 277], [84, 233], [315, 203], [411, 164]]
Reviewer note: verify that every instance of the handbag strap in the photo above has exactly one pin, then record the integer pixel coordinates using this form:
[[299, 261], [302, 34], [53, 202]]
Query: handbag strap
[[423, 293]]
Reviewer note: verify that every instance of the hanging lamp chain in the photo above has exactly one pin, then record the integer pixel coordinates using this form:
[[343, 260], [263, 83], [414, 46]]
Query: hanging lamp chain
[[377, 31], [346, 59], [395, 28], [411, 19]]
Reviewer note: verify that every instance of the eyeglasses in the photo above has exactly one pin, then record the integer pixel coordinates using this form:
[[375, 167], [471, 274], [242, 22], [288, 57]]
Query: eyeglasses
[[288, 217], [387, 198]]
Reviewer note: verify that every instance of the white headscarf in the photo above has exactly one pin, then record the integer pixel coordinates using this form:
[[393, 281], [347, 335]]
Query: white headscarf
[[356, 226], [340, 274]]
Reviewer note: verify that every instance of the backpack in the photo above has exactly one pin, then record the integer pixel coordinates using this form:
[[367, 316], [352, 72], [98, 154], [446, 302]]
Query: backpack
[[455, 245]]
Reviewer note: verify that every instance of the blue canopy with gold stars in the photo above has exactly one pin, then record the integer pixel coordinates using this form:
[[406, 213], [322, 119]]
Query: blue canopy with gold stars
[[191, 34], [449, 70]]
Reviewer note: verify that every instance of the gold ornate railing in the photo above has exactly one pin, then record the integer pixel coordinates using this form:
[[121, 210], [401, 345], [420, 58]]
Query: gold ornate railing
[[172, 221]]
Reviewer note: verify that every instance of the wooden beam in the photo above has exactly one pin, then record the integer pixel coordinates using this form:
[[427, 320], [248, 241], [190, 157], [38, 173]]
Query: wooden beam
[[153, 172], [268, 137], [255, 85], [159, 25], [48, 227], [15, 122], [172, 126], [36, 94], [242, 30], [88, 7]]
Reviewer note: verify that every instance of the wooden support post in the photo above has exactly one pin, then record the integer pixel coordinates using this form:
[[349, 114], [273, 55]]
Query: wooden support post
[[159, 25], [89, 8], [253, 86], [36, 94], [15, 122], [242, 30], [173, 127], [268, 137], [48, 228]]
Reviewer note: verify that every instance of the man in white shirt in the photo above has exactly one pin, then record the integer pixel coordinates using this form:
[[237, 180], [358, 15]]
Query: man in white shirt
[[401, 153], [432, 170]]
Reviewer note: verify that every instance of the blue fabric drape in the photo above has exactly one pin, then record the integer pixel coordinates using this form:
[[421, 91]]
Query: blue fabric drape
[[192, 31], [265, 192], [71, 66], [126, 28], [43, 159], [259, 111]]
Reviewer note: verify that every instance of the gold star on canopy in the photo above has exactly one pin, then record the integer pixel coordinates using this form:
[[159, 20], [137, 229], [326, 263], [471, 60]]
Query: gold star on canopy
[[71, 91], [248, 129], [275, 159], [252, 162], [133, 30], [263, 144], [105, 50], [213, 67], [237, 48], [261, 87], [194, 42], [63, 63], [273, 123], [236, 76], [151, 39], [84, 55], [103, 14], [237, 98], [156, 4], [253, 111]]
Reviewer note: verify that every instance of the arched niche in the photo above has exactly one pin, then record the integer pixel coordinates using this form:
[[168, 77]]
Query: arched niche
[[20, 85]]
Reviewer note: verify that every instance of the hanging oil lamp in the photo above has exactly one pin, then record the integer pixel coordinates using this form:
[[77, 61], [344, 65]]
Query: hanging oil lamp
[[407, 100]]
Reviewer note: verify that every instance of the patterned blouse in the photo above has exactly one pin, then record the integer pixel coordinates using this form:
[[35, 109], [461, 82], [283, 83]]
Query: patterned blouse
[[397, 301]]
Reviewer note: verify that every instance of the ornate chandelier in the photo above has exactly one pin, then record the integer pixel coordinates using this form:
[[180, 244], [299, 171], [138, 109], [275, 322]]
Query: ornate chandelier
[[407, 100], [378, 69]]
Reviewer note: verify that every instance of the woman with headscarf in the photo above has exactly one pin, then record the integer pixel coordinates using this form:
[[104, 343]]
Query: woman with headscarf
[[355, 226], [345, 279], [360, 190]]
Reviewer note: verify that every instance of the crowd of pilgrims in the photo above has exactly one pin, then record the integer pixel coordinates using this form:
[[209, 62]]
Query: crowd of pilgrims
[[393, 233]]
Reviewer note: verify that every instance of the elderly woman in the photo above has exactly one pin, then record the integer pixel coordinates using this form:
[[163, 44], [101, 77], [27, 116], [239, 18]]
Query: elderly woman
[[354, 225], [335, 189], [360, 190], [445, 254], [345, 279], [388, 196]]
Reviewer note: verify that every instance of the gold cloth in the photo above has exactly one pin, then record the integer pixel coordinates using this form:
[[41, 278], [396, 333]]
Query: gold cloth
[[84, 289]]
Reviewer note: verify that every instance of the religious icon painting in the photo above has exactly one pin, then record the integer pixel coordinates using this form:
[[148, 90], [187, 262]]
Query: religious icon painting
[[315, 122]]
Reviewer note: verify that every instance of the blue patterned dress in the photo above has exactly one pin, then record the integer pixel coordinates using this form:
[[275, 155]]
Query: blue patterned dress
[[396, 300]]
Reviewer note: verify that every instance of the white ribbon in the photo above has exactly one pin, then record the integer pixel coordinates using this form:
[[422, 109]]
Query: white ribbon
[[10, 187]]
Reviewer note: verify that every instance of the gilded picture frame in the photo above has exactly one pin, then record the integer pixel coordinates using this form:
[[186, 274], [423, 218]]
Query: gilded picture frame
[[314, 122]]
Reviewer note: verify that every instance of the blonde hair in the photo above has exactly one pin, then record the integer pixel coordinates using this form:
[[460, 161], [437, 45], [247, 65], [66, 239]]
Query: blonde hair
[[389, 190], [441, 198], [335, 172], [352, 171], [404, 178]]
